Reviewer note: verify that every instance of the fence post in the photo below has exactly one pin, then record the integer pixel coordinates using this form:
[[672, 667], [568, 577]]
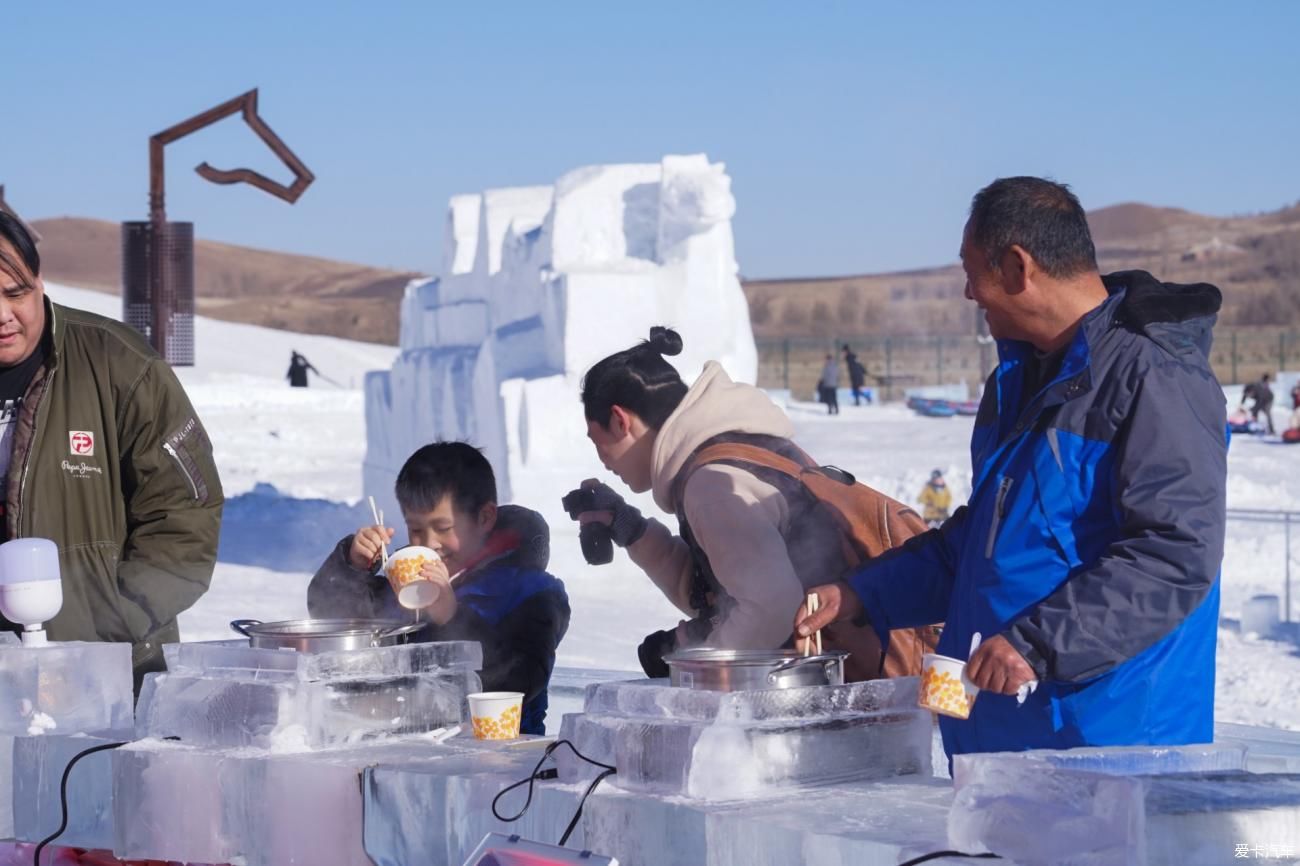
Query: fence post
[[1281, 351], [785, 363], [1287, 609], [1235, 380], [938, 360], [889, 369]]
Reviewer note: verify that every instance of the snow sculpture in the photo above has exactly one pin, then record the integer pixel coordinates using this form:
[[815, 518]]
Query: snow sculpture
[[538, 284]]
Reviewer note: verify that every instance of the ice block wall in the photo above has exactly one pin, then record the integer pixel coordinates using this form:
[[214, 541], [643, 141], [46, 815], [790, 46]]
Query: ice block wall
[[538, 284]]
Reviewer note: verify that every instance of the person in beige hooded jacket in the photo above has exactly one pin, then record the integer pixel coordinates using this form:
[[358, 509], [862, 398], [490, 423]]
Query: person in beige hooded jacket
[[746, 551]]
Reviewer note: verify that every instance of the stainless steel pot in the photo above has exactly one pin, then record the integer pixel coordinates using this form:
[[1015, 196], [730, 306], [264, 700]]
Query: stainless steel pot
[[324, 635], [739, 670]]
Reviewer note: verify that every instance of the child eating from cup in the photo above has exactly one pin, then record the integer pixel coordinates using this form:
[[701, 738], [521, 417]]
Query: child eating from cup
[[489, 574]]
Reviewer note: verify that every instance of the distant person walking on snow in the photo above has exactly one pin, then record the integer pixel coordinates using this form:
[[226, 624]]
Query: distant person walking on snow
[[857, 376], [1262, 395], [935, 500], [298, 367], [829, 385]]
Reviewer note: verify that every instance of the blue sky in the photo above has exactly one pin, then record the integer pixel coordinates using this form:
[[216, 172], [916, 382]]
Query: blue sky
[[855, 133]]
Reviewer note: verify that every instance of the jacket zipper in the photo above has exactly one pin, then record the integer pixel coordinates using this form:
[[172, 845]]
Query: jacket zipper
[[31, 446], [999, 508], [167, 446]]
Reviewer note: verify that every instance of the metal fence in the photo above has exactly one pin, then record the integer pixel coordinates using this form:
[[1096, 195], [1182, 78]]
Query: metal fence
[[1286, 519], [895, 363]]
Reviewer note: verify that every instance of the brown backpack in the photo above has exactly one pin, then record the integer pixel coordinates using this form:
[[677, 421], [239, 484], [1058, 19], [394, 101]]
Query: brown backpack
[[870, 523]]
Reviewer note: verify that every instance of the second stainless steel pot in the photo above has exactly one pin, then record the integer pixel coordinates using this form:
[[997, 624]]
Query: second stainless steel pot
[[742, 670], [324, 635]]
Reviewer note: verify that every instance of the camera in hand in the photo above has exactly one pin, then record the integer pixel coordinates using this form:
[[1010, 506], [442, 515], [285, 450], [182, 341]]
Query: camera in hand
[[594, 536]]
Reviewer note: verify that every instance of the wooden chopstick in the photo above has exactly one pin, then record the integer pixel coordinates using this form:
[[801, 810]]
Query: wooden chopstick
[[813, 604], [379, 521], [817, 606]]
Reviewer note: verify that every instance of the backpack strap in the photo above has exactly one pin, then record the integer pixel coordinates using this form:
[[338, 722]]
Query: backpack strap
[[728, 452]]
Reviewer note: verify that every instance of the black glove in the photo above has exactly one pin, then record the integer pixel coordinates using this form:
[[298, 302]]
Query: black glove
[[627, 525], [652, 652]]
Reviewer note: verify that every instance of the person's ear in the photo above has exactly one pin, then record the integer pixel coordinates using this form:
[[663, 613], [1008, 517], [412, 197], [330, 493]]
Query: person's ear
[[487, 516], [620, 421], [1018, 269]]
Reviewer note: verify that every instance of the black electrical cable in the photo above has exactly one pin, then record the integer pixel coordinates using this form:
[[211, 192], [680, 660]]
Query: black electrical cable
[[577, 816], [540, 774], [935, 855], [63, 795]]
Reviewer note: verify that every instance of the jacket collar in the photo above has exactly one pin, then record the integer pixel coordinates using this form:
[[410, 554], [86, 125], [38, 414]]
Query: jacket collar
[[54, 322]]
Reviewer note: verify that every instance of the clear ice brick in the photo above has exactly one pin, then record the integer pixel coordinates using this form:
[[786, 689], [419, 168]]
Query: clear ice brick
[[65, 688], [1116, 805], [39, 764]]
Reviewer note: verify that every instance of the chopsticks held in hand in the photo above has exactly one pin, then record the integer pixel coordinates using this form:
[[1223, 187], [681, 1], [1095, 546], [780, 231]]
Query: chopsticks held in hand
[[379, 521], [813, 640]]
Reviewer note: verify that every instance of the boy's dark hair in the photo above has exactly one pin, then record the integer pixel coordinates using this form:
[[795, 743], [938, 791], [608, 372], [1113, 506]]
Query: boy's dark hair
[[1042, 217], [14, 235], [455, 469], [638, 379]]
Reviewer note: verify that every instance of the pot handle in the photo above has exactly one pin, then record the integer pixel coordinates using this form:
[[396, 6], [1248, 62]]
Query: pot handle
[[800, 662], [396, 631], [241, 626]]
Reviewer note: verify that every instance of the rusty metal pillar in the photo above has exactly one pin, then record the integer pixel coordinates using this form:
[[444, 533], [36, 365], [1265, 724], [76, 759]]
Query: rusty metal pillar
[[158, 286], [158, 256]]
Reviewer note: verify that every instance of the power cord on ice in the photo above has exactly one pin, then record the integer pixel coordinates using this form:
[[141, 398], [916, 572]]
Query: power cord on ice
[[63, 795], [935, 855], [540, 774]]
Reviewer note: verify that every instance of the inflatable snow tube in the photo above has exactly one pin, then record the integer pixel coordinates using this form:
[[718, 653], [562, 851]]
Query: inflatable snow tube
[[937, 409]]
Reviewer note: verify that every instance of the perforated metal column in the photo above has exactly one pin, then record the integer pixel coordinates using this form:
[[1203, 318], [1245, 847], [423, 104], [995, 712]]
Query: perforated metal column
[[175, 259]]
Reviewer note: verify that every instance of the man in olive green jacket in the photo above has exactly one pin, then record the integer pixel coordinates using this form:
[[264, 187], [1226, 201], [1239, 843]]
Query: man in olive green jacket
[[102, 452]]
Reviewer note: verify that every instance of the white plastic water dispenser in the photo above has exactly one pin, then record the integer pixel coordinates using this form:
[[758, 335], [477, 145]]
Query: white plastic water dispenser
[[31, 588]]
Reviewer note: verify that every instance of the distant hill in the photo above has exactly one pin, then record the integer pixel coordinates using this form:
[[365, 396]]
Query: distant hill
[[1255, 260], [241, 284]]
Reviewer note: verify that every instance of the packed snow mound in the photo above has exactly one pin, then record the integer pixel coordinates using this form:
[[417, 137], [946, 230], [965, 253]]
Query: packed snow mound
[[539, 283]]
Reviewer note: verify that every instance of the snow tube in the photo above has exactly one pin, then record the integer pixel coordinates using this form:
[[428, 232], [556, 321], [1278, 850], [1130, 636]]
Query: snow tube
[[970, 407], [937, 409], [1239, 422], [1291, 436]]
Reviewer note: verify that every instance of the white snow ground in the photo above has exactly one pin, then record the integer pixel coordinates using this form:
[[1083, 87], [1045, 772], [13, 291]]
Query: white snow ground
[[304, 448]]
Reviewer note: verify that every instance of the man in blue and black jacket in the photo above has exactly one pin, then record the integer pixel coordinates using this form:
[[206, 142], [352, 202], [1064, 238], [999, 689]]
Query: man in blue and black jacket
[[494, 588], [1088, 554]]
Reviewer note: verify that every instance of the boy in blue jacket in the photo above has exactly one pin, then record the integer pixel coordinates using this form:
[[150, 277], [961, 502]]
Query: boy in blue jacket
[[504, 600]]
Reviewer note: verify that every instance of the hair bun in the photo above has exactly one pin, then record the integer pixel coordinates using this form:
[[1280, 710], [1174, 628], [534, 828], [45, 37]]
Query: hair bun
[[665, 341]]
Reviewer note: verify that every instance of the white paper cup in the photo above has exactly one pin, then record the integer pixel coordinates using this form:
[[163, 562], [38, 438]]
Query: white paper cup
[[944, 687], [403, 573], [496, 715]]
